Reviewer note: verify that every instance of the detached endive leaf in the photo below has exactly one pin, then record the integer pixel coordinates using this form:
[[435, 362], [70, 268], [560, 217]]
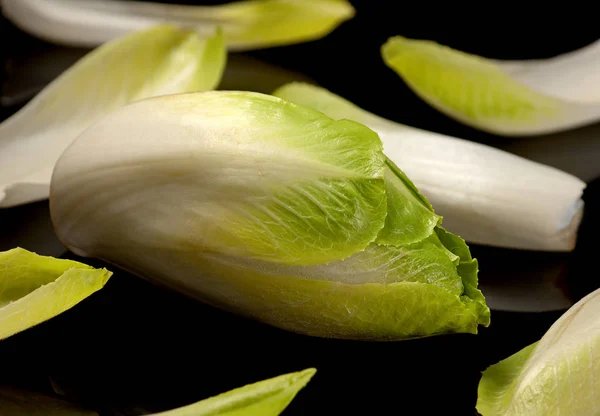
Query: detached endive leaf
[[35, 288], [14, 402], [510, 99], [264, 398], [249, 24], [268, 209], [485, 195], [558, 375], [157, 61]]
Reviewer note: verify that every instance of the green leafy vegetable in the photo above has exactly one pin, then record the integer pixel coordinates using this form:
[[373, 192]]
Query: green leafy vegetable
[[558, 375], [157, 61], [511, 99], [269, 209], [35, 288], [468, 182], [249, 24], [265, 398]]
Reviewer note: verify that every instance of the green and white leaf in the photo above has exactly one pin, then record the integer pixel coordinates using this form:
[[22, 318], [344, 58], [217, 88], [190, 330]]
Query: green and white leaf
[[468, 182], [558, 375], [501, 97], [265, 398], [268, 209], [249, 24], [36, 288], [255, 178], [160, 60]]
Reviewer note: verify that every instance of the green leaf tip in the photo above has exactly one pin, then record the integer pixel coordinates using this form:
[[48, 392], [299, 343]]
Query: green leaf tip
[[35, 288], [160, 60], [557, 375], [264, 398], [269, 209], [479, 92]]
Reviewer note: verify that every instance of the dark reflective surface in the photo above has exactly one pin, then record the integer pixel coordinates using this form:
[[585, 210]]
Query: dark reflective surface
[[133, 347]]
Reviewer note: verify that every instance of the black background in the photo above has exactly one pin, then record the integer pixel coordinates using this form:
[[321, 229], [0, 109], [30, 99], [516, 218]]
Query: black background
[[134, 348]]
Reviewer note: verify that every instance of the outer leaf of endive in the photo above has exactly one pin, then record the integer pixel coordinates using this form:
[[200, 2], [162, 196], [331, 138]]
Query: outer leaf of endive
[[15, 402], [265, 398], [249, 24], [268, 209], [253, 177], [558, 375], [494, 98], [35, 288], [160, 60], [487, 196]]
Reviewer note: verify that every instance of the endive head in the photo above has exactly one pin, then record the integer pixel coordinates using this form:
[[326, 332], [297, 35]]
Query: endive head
[[269, 209], [160, 60]]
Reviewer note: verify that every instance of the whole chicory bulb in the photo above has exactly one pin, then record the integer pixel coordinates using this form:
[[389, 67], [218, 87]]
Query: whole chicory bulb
[[268, 209]]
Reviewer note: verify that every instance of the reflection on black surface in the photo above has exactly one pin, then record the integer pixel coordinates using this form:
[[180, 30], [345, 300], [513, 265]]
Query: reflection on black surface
[[28, 402], [27, 75], [575, 151], [246, 73], [522, 281], [30, 227], [582, 268]]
